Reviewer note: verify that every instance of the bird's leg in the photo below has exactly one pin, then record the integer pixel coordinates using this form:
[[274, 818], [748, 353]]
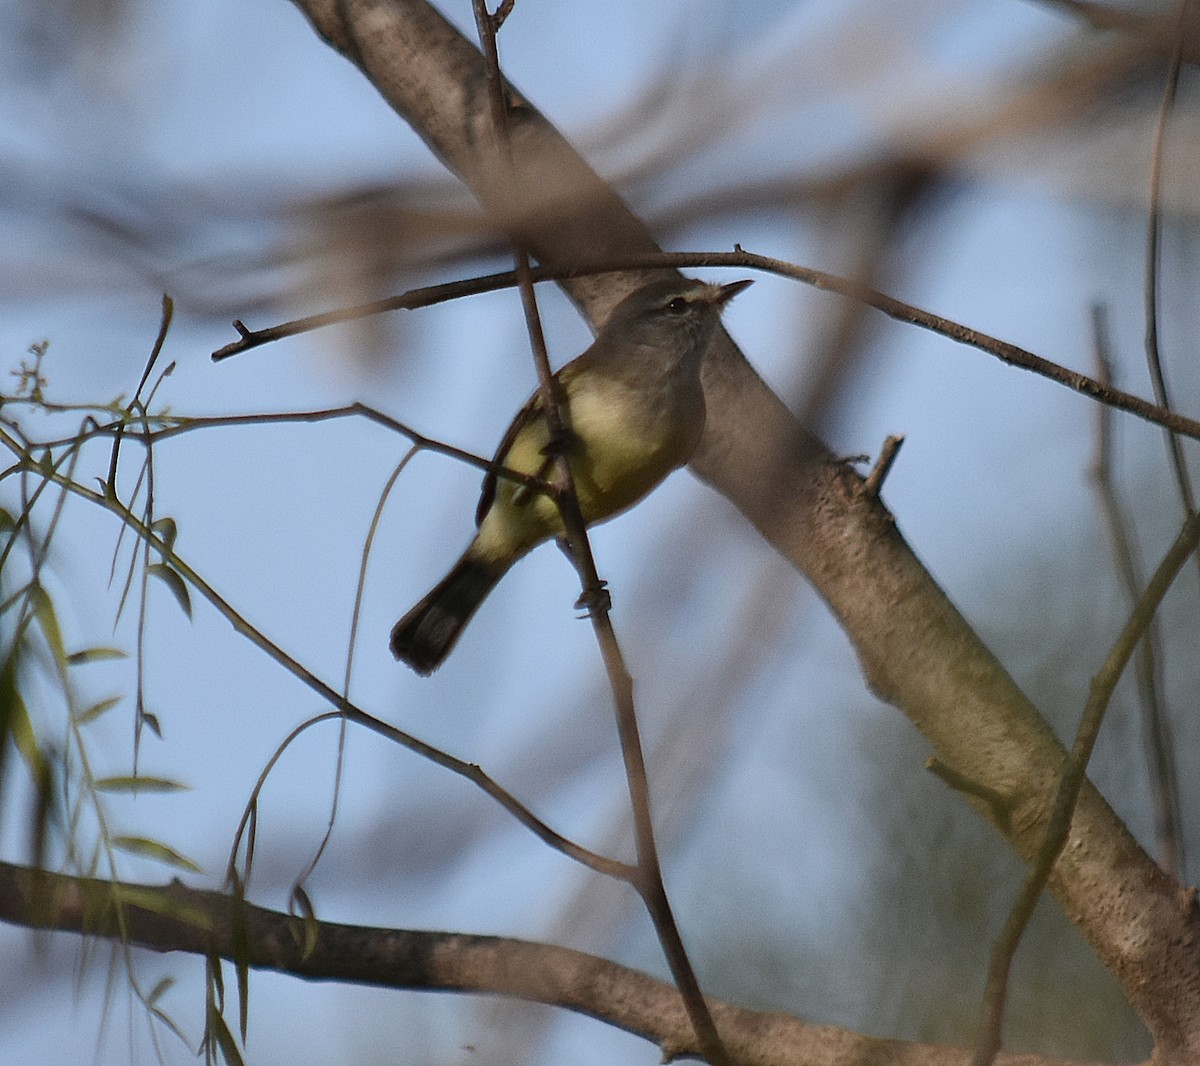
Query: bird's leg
[[594, 599]]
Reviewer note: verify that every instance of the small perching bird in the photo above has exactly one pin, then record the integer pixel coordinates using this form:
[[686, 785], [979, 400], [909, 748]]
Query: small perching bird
[[633, 409]]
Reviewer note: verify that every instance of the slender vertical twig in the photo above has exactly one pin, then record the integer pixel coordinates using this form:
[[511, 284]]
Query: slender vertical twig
[[348, 672], [1156, 726], [648, 882], [1142, 616], [1073, 775], [1153, 281]]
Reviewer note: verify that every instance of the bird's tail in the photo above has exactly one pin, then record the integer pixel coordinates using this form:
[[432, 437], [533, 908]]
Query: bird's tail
[[424, 636]]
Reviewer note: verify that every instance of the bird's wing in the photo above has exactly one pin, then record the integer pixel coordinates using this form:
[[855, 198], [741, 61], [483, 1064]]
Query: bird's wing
[[531, 412], [487, 495]]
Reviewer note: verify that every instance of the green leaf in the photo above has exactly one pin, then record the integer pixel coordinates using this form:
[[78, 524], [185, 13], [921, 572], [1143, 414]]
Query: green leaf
[[220, 1032], [175, 583], [156, 901], [97, 709], [21, 730], [164, 985], [171, 1024], [166, 530], [240, 955], [95, 655], [43, 610], [302, 904], [139, 784], [153, 849], [159, 990], [153, 900]]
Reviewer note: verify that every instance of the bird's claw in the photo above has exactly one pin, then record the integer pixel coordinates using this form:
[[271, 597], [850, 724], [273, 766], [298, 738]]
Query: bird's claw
[[595, 600]]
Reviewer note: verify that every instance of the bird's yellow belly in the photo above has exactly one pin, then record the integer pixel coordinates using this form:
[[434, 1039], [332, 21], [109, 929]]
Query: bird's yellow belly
[[616, 458]]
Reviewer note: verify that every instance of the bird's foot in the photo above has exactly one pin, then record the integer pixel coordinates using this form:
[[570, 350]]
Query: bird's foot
[[595, 601]]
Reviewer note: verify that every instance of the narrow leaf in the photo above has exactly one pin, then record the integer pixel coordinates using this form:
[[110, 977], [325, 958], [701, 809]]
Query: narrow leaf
[[97, 709], [171, 1024], [95, 655], [166, 530], [154, 849], [175, 583], [158, 902], [241, 960], [151, 721], [225, 1040], [302, 904], [163, 986], [21, 729], [43, 609], [139, 784]]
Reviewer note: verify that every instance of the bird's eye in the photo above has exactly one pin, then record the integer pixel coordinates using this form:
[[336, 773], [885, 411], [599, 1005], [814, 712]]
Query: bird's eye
[[678, 306]]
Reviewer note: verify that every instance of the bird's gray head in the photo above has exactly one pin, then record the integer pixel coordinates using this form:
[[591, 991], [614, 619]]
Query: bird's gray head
[[676, 314]]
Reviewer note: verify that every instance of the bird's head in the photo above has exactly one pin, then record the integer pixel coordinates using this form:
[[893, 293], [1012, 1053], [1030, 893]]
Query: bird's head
[[674, 313]]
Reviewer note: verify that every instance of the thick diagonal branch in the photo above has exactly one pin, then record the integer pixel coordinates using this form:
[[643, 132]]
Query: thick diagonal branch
[[917, 651]]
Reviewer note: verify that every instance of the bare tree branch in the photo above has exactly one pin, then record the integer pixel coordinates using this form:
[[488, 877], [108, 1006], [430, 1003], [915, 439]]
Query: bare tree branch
[[177, 918]]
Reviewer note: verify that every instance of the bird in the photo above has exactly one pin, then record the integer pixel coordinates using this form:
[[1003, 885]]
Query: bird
[[633, 410]]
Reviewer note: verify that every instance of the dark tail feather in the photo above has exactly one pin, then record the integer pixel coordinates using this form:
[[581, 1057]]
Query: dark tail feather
[[424, 636]]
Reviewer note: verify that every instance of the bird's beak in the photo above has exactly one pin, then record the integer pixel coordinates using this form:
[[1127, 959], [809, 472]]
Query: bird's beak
[[727, 292]]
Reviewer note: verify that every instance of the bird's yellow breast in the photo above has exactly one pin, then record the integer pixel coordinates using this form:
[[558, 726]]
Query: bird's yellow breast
[[623, 444]]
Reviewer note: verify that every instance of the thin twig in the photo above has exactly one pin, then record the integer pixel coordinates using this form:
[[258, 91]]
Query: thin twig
[[414, 298], [648, 882], [1151, 292], [883, 465], [999, 805], [1073, 775], [1156, 727], [548, 385], [601, 864], [847, 287], [353, 713], [351, 646], [176, 425], [168, 313]]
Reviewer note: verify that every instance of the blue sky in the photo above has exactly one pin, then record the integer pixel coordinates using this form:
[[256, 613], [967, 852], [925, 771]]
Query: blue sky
[[194, 125]]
